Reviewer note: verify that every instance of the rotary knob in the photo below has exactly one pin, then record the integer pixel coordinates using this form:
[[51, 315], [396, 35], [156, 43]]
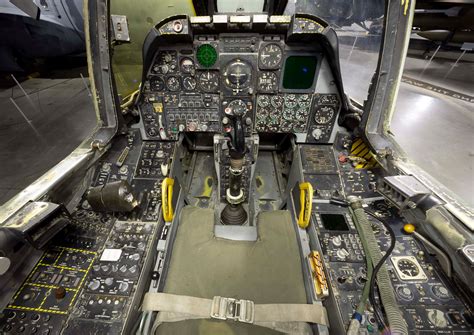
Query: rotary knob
[[317, 134], [94, 284], [342, 254], [337, 241], [123, 286]]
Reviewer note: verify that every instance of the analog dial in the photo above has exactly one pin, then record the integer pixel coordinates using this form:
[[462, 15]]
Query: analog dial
[[304, 100], [324, 114], [157, 84], [187, 65], [166, 62], [408, 268], [288, 114], [208, 81], [189, 83], [271, 56], [263, 101], [277, 101], [290, 101], [302, 114], [236, 107], [267, 82], [238, 74], [286, 126], [172, 83]]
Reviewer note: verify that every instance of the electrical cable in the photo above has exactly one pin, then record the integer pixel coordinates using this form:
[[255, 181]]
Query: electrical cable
[[377, 311]]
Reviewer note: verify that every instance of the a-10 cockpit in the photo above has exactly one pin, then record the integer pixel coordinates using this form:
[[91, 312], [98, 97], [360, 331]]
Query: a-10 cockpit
[[233, 193]]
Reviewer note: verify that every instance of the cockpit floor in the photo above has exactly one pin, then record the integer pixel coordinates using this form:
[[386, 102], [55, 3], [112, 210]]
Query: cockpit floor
[[265, 271]]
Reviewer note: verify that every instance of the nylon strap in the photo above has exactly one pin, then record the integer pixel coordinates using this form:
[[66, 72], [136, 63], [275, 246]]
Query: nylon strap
[[200, 308]]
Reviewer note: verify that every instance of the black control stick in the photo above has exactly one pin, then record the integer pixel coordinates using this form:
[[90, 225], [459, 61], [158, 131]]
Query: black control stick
[[237, 138], [234, 213]]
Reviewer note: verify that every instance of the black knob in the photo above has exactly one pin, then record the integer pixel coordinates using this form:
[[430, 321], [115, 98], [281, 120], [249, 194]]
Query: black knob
[[155, 275]]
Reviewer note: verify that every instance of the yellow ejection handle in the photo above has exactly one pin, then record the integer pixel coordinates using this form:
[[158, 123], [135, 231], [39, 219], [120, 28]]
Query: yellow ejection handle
[[167, 198], [306, 204]]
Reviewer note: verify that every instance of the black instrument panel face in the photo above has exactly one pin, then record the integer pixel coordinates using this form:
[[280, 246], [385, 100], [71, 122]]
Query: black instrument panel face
[[188, 87]]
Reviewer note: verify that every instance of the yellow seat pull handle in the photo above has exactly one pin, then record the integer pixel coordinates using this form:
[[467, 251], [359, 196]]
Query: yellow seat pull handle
[[306, 204], [167, 198]]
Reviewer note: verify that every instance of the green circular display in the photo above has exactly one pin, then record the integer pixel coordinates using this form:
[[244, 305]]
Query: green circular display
[[206, 55]]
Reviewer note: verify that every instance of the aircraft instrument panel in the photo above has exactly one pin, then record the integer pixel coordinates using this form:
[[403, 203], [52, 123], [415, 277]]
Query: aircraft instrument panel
[[280, 87]]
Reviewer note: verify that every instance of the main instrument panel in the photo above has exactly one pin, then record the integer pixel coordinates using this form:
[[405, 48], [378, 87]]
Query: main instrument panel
[[278, 87]]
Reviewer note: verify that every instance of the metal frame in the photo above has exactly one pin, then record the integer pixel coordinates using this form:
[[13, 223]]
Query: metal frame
[[109, 119]]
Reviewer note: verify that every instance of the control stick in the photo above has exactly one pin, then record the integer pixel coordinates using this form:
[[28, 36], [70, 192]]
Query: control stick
[[234, 213]]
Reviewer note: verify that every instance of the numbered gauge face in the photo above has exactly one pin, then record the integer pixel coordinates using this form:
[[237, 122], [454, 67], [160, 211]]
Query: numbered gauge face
[[408, 268], [286, 126], [290, 101], [271, 56], [267, 82], [263, 101], [236, 107], [172, 83], [166, 62], [288, 114], [189, 83], [238, 74], [187, 65], [324, 114], [157, 84], [302, 114], [304, 100], [277, 101], [208, 81]]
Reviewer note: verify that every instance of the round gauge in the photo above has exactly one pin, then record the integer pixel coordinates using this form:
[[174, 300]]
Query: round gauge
[[408, 268], [302, 114], [263, 101], [189, 83], [273, 124], [206, 55], [271, 56], [187, 65], [286, 126], [437, 318], [288, 114], [304, 100], [157, 84], [299, 127], [236, 107], [405, 293], [275, 114], [238, 74], [440, 291], [208, 81], [262, 114], [290, 101], [166, 61], [267, 82], [277, 101], [324, 114], [172, 83]]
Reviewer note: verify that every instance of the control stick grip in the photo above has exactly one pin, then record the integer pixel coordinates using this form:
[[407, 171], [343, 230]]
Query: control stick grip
[[237, 138]]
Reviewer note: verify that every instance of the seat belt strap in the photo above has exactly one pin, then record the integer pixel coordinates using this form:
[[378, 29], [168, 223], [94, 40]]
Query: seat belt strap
[[234, 309]]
